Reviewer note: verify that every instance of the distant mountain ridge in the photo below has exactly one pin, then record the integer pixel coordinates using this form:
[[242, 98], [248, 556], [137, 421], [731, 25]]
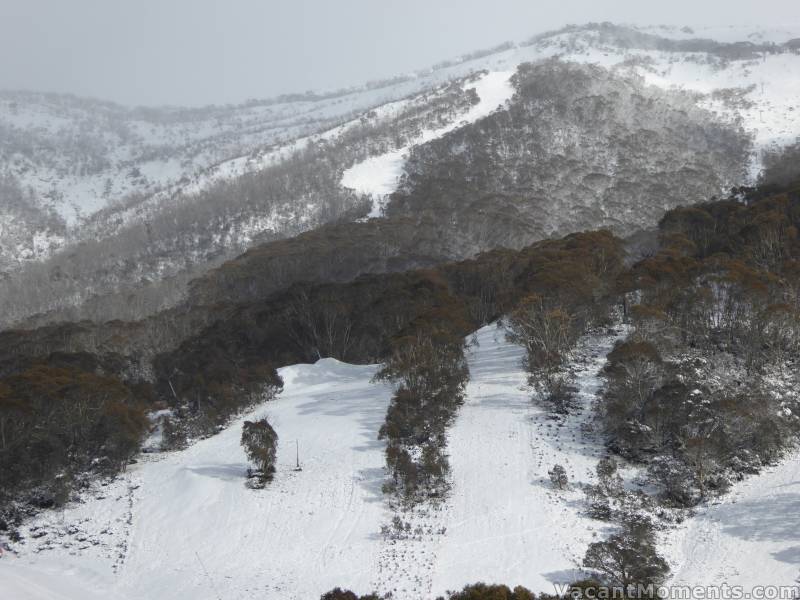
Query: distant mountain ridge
[[87, 188]]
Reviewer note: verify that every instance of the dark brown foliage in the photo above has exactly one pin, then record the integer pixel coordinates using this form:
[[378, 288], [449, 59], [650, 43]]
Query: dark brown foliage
[[59, 420], [718, 306]]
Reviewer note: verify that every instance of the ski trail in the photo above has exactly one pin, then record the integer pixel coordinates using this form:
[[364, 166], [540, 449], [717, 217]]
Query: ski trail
[[146, 533], [506, 523], [378, 176], [502, 521]]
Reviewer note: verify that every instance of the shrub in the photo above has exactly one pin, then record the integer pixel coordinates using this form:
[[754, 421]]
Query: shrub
[[558, 477], [260, 442]]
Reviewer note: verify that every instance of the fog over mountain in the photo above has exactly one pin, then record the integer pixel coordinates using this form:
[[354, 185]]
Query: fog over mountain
[[196, 52]]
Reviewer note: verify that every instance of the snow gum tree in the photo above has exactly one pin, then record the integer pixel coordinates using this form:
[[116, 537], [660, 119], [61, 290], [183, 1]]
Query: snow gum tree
[[547, 333], [432, 373], [260, 443], [628, 558]]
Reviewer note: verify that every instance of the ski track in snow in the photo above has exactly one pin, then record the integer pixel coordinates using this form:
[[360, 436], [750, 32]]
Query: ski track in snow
[[506, 522], [183, 524]]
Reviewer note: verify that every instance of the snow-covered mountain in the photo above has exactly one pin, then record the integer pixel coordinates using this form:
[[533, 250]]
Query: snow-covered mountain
[[141, 200], [80, 155]]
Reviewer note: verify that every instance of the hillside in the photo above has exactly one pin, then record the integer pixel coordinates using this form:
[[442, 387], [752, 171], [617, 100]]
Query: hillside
[[147, 237], [330, 514], [321, 526]]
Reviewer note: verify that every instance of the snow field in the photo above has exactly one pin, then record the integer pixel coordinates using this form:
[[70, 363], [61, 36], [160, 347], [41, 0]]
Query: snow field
[[506, 522], [184, 524]]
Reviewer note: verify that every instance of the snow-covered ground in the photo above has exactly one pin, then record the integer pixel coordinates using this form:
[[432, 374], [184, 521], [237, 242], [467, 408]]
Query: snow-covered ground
[[503, 522], [378, 176], [750, 537], [506, 522], [183, 525]]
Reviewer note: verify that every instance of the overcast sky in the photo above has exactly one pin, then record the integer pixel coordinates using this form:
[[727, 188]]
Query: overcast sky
[[195, 52]]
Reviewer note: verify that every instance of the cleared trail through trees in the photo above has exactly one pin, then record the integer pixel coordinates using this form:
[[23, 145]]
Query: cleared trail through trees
[[503, 521]]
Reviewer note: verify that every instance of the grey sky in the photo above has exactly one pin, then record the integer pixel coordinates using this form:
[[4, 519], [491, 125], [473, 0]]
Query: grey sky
[[196, 52]]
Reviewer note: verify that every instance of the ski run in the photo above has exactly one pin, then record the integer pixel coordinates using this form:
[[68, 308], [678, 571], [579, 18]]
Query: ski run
[[183, 525], [378, 176]]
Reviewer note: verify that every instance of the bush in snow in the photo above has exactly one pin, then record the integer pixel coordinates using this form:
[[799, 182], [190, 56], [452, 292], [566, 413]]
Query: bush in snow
[[340, 594], [558, 477], [600, 508], [608, 478], [260, 442]]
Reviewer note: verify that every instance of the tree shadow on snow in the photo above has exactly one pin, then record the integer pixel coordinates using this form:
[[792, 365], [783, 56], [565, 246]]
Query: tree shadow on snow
[[788, 555], [773, 519], [329, 371], [370, 415], [227, 472]]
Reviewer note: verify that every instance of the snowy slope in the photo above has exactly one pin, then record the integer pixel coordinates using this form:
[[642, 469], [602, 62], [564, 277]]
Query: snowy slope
[[305, 533], [765, 98], [503, 522], [151, 150], [91, 153], [749, 537], [183, 524], [310, 531], [506, 522], [105, 168]]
